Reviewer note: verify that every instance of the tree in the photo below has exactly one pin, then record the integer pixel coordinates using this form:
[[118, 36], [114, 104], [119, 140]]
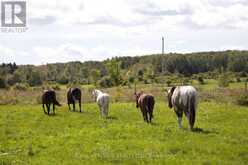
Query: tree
[[113, 67], [106, 82], [95, 75], [35, 79], [223, 80]]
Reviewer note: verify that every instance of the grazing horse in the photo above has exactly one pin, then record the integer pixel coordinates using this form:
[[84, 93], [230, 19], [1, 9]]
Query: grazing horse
[[48, 98], [102, 100], [146, 104], [184, 100], [73, 95]]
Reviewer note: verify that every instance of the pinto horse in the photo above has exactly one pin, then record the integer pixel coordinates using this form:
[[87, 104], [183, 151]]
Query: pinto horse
[[184, 100], [73, 95], [102, 100], [48, 98]]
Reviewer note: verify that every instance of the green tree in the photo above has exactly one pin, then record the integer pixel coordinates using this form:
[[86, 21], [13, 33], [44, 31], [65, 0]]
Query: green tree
[[95, 75]]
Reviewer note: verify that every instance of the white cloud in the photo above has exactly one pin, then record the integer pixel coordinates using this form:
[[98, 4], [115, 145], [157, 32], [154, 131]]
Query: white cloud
[[62, 30]]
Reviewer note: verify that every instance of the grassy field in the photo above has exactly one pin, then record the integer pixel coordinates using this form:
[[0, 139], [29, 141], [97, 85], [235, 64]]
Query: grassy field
[[27, 136]]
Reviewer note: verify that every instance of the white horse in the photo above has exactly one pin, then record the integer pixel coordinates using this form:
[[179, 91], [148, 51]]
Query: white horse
[[184, 100], [102, 100]]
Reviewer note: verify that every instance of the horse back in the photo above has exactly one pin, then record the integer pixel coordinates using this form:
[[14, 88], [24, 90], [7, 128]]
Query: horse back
[[73, 93], [146, 100], [48, 97]]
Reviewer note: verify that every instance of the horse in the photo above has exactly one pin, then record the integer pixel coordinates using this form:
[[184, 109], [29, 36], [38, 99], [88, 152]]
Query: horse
[[102, 100], [146, 104], [184, 100], [73, 95], [48, 98]]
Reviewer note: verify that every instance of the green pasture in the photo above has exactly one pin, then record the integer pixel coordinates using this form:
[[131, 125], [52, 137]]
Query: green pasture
[[27, 136]]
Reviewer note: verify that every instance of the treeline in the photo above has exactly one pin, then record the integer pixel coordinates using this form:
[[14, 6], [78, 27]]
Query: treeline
[[125, 70]]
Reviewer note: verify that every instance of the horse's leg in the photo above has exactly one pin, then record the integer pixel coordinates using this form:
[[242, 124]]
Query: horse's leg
[[54, 109], [43, 105], [150, 116], [103, 111], [73, 105], [79, 102], [69, 106], [146, 116], [179, 117], [48, 108], [106, 110]]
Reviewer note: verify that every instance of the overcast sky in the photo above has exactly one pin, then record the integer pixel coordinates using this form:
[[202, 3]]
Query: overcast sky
[[81, 30]]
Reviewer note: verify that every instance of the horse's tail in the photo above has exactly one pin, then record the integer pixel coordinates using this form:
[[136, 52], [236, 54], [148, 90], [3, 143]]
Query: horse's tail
[[150, 105], [192, 112]]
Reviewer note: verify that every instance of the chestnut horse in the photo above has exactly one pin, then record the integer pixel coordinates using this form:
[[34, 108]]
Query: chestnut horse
[[146, 104]]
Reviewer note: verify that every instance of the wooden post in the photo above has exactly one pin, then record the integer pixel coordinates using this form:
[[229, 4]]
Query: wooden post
[[162, 45]]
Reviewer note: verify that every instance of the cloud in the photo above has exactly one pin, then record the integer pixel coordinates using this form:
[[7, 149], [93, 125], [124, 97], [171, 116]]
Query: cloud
[[152, 9], [122, 14], [62, 30], [42, 20], [12, 55]]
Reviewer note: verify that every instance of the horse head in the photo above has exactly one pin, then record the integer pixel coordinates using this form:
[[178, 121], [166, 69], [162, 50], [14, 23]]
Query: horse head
[[170, 93], [137, 96]]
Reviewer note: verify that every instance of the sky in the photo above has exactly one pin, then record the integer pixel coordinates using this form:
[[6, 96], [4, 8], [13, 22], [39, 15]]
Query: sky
[[82, 30]]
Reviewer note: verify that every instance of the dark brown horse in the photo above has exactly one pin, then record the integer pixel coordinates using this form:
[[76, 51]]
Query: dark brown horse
[[73, 95], [48, 98], [146, 104]]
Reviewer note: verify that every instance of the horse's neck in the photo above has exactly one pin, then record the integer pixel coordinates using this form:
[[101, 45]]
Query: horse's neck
[[98, 92]]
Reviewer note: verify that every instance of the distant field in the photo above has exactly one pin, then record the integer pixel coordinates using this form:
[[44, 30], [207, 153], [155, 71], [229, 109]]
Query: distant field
[[208, 91], [27, 136]]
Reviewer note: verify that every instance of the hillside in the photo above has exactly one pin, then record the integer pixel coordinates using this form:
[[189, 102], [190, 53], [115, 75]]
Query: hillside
[[125, 70]]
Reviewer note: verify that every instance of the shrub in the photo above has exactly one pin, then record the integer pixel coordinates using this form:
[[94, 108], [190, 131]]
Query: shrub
[[105, 82], [200, 80], [13, 79], [2, 83], [21, 86], [223, 80], [56, 87], [35, 79], [168, 82], [131, 79], [243, 99], [63, 80]]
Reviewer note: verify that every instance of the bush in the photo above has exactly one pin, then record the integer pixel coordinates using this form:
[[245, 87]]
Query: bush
[[243, 99], [13, 79], [200, 80], [21, 86], [35, 79], [56, 87], [223, 80], [168, 82], [106, 82], [238, 79], [63, 80], [2, 83]]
